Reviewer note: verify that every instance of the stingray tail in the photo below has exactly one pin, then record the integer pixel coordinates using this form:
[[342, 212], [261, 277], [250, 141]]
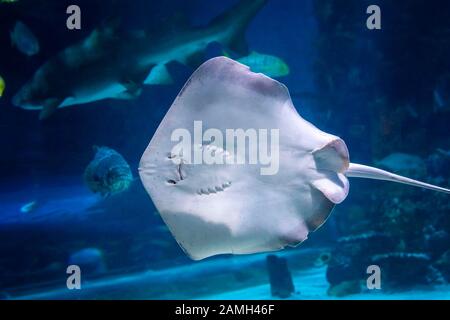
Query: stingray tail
[[362, 171]]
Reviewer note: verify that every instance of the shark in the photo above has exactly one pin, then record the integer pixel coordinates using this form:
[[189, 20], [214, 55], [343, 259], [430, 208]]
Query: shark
[[116, 65]]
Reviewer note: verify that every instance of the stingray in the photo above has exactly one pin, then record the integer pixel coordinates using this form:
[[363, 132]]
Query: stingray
[[232, 207]]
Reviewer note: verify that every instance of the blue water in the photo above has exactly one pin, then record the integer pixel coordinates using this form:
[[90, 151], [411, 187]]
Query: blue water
[[373, 89]]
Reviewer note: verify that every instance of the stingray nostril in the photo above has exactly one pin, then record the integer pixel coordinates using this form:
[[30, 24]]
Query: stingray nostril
[[170, 181]]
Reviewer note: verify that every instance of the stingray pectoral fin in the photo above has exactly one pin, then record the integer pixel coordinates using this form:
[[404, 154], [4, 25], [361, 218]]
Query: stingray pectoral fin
[[362, 171], [49, 107]]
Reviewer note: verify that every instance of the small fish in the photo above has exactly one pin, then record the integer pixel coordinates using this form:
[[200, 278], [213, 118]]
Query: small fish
[[2, 86], [108, 173], [29, 207], [271, 66], [24, 40]]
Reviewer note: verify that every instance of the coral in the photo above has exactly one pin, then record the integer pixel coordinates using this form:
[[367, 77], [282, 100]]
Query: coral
[[443, 265], [399, 104], [352, 254]]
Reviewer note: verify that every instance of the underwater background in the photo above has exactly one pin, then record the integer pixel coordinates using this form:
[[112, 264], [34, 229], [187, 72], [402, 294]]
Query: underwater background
[[385, 92]]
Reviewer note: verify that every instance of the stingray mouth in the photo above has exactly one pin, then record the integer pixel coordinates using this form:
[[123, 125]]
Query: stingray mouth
[[179, 177]]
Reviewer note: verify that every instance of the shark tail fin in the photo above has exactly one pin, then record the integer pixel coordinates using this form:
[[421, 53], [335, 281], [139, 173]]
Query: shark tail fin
[[362, 171], [236, 20]]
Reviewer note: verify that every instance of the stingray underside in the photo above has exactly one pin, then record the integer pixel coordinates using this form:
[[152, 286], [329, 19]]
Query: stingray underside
[[241, 205]]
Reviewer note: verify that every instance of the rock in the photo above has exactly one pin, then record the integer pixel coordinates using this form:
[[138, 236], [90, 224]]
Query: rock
[[281, 284], [435, 276], [341, 269], [402, 269], [443, 265], [351, 256], [344, 289], [438, 163], [436, 241]]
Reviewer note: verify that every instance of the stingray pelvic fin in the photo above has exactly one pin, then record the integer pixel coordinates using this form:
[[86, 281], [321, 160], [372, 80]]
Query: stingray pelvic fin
[[362, 171], [332, 157], [331, 161], [334, 187]]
